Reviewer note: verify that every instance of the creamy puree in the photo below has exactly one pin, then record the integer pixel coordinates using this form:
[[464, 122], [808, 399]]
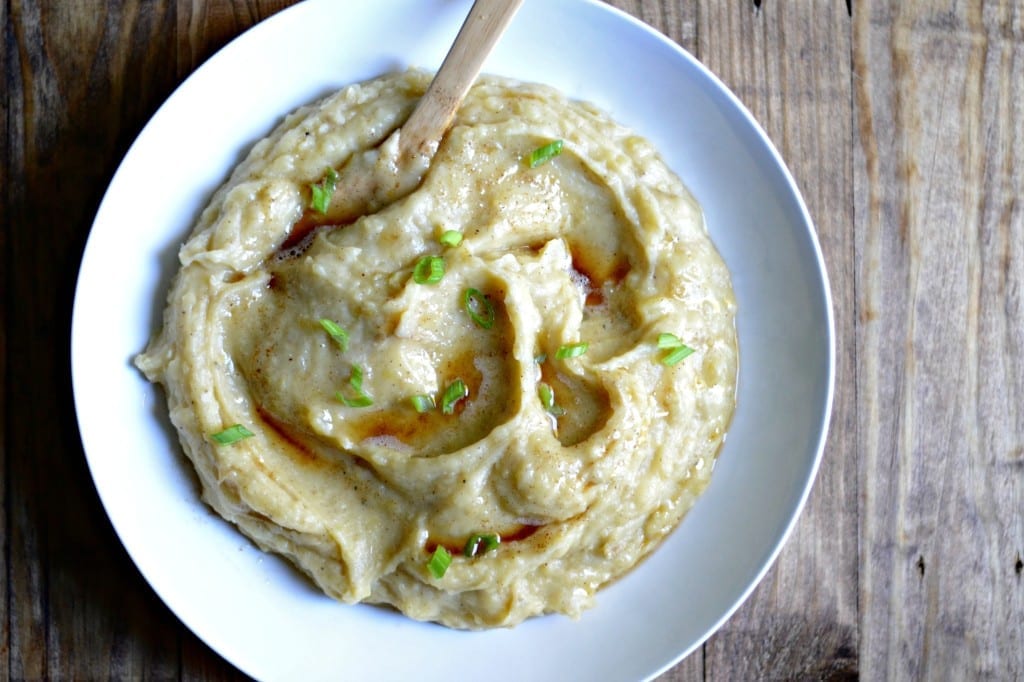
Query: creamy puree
[[600, 245]]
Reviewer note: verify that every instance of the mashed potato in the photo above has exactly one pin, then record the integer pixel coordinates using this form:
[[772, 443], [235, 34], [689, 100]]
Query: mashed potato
[[493, 372]]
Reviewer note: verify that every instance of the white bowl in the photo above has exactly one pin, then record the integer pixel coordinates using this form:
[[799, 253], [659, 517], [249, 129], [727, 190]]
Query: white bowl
[[253, 608]]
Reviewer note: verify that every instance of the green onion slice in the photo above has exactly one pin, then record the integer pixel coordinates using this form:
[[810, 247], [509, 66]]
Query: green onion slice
[[232, 434], [423, 402], [335, 331], [669, 341], [428, 270], [481, 543], [356, 378], [544, 154], [479, 307], [547, 399], [456, 391], [321, 192], [676, 355], [362, 399], [451, 238], [439, 562], [571, 350], [677, 349]]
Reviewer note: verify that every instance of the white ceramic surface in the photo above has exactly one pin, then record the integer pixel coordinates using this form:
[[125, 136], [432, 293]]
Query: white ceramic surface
[[255, 610]]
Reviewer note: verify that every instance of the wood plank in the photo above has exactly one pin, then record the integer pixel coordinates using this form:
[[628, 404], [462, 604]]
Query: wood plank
[[790, 64], [83, 84], [939, 176], [25, 588], [9, 99]]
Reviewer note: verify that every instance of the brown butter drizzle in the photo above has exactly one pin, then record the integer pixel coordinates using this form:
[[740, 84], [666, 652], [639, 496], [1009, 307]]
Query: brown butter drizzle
[[521, 532]]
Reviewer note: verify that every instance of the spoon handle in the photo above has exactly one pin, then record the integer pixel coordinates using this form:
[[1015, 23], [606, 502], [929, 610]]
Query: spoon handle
[[487, 20]]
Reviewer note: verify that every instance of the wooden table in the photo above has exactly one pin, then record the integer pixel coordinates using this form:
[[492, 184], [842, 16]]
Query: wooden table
[[903, 125]]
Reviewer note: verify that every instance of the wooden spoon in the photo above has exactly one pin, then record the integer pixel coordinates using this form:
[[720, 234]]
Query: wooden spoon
[[377, 177]]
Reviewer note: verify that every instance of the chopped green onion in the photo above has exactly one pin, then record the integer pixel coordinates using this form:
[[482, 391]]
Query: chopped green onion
[[479, 307], [428, 270], [545, 153], [456, 391], [676, 355], [489, 541], [451, 238], [321, 192], [669, 341], [356, 378], [423, 402], [571, 350], [439, 562], [339, 335], [232, 434], [677, 349], [547, 399], [547, 396], [362, 399]]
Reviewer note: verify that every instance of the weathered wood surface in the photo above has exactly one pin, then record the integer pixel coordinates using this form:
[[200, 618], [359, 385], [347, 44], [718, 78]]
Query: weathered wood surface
[[939, 202], [904, 126]]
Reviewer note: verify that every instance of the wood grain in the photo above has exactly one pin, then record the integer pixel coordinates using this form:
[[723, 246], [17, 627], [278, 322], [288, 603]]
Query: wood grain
[[903, 125], [80, 81], [940, 232], [6, 199]]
